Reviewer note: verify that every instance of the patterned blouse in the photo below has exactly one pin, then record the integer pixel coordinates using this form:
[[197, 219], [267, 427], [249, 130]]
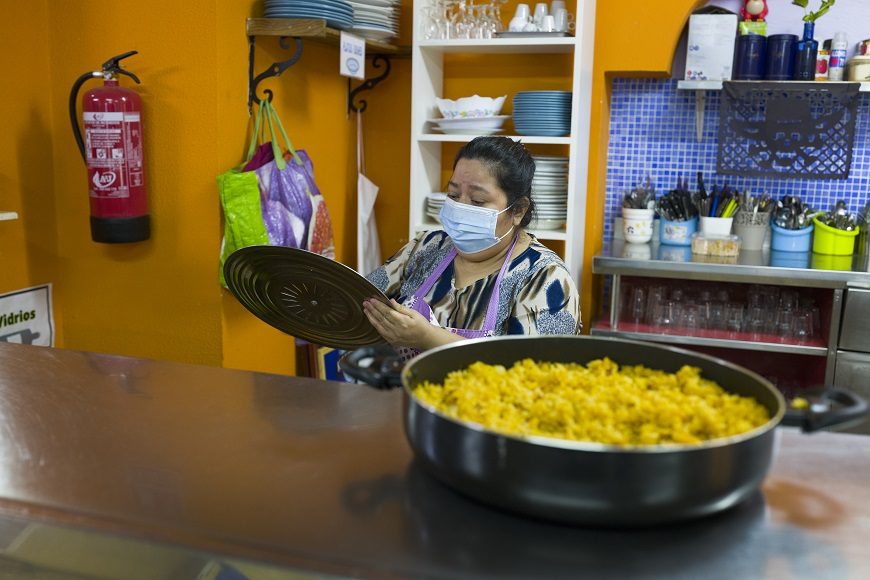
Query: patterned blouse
[[537, 296]]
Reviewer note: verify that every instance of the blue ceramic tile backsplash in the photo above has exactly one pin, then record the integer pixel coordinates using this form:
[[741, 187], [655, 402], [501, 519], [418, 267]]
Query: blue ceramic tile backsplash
[[652, 132]]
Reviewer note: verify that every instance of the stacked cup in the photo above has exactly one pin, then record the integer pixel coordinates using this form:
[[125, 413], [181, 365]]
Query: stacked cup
[[554, 18]]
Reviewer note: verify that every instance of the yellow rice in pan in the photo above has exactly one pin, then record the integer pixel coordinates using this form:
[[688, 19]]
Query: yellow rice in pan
[[599, 402]]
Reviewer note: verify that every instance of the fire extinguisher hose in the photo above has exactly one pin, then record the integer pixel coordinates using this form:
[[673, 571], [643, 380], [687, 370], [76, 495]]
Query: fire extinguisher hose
[[73, 117]]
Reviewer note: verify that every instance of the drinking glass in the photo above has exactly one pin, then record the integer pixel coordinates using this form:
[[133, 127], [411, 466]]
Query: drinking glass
[[784, 321], [755, 320], [716, 316], [435, 25], [637, 305], [734, 320], [803, 326], [788, 299], [666, 315], [655, 296], [691, 319], [817, 320]]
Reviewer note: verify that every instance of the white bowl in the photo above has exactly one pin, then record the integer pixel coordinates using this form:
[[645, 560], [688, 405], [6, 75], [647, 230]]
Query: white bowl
[[470, 107]]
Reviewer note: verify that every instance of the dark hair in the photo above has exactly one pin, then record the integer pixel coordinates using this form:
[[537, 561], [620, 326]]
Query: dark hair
[[509, 162]]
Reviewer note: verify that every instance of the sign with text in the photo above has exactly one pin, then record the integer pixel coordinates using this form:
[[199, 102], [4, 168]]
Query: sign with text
[[353, 56], [26, 316]]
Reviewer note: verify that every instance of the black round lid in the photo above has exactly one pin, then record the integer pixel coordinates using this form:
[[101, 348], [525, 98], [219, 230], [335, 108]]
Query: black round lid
[[304, 295]]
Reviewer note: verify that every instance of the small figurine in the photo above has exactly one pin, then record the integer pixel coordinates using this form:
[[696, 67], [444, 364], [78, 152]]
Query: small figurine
[[754, 10]]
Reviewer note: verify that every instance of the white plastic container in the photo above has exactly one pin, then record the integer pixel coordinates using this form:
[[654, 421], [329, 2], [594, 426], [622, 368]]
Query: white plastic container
[[858, 69], [716, 226]]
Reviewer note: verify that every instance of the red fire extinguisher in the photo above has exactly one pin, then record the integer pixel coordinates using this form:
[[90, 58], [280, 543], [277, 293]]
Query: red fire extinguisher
[[113, 152]]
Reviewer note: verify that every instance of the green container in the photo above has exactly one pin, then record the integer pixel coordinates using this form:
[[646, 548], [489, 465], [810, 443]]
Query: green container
[[833, 242]]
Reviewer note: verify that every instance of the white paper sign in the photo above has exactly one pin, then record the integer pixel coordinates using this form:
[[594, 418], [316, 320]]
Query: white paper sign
[[353, 56], [710, 48], [26, 316]]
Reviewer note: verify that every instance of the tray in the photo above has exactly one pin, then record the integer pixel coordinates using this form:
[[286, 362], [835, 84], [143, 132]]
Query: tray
[[508, 34]]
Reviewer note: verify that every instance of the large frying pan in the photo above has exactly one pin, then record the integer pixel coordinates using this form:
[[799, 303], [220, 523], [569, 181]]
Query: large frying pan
[[589, 483]]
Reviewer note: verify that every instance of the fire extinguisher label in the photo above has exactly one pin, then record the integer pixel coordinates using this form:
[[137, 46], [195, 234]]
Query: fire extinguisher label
[[113, 144]]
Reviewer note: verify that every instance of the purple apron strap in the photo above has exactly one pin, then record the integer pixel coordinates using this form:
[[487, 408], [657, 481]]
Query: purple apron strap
[[492, 307], [433, 277]]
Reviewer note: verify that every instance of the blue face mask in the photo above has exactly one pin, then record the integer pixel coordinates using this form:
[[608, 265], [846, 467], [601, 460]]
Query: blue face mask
[[471, 228]]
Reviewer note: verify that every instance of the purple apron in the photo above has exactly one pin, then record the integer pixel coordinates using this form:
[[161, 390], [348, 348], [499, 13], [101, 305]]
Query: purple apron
[[417, 303]]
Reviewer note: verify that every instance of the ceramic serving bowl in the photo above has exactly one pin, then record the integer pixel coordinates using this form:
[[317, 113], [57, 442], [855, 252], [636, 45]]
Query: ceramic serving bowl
[[470, 107]]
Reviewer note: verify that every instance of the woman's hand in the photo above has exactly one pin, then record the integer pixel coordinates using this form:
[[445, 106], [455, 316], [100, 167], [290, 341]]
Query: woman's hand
[[402, 326]]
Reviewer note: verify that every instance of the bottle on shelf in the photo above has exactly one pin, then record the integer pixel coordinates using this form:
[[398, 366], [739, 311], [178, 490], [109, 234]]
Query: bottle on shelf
[[805, 55], [838, 57], [823, 58]]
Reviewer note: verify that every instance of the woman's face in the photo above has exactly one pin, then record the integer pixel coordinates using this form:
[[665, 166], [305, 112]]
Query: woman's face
[[473, 184]]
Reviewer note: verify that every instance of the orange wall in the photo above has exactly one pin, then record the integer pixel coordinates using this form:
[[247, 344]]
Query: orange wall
[[160, 298], [27, 245]]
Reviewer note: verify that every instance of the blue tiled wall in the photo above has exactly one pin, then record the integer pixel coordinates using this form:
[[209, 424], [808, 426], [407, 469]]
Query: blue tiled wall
[[652, 132]]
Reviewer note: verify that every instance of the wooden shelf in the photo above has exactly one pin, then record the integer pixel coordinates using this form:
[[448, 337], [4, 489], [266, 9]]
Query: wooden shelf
[[314, 30], [502, 45], [717, 85], [8, 216]]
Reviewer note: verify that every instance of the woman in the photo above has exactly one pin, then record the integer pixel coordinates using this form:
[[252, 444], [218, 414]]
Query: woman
[[482, 275]]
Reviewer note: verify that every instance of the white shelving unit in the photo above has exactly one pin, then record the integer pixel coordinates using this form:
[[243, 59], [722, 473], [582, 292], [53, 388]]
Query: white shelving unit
[[426, 146]]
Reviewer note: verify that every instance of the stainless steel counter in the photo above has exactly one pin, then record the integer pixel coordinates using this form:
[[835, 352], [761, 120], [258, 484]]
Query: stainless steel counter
[[760, 267], [126, 468]]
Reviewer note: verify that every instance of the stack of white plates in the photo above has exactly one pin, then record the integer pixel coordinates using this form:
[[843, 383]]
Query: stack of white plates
[[376, 19], [550, 192], [471, 125], [434, 201], [337, 13]]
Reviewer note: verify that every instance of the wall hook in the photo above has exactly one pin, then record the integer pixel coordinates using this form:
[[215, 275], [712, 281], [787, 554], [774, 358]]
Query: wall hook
[[273, 71], [367, 85]]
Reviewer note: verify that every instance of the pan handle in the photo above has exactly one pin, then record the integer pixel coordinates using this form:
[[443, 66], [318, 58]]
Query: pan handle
[[379, 366], [851, 408]]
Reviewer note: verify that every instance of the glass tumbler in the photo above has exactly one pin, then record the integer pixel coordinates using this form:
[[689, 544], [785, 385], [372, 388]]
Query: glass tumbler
[[734, 320], [637, 305], [755, 319], [803, 326]]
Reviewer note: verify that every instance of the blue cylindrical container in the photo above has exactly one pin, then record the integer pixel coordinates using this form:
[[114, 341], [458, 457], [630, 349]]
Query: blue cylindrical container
[[677, 233], [780, 57], [783, 240], [751, 57]]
